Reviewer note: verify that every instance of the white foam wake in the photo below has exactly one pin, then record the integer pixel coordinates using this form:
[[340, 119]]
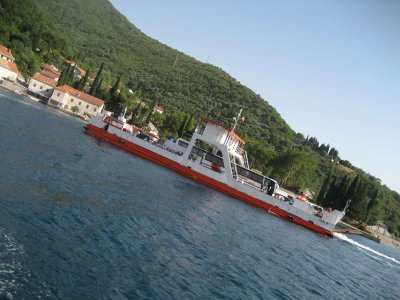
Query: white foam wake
[[343, 237]]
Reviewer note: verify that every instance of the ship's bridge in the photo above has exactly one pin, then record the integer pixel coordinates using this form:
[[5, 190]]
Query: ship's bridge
[[220, 137], [218, 133]]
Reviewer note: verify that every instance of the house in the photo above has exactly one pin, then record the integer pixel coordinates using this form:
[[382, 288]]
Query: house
[[51, 75], [78, 72], [72, 100], [380, 228], [9, 70], [41, 86], [158, 109], [5, 54], [50, 68]]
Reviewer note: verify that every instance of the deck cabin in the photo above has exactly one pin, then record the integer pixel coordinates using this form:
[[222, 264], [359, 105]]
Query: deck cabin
[[219, 148]]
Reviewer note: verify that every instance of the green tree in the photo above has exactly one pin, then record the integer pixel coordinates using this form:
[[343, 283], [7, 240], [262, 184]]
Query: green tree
[[181, 129], [151, 111], [294, 169], [99, 91], [97, 81], [83, 81], [324, 189], [371, 206], [113, 95], [331, 194], [135, 112]]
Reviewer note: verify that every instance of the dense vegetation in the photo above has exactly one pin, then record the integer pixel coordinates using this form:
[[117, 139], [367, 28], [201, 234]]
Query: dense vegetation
[[188, 89], [26, 30]]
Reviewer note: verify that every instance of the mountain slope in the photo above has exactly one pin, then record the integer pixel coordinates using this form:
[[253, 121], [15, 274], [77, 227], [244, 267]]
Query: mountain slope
[[26, 30], [99, 30]]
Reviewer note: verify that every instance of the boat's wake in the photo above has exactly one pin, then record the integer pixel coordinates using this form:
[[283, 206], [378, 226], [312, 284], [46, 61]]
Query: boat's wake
[[344, 238]]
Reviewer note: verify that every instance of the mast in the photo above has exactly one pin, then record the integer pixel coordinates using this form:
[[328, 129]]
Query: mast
[[237, 119]]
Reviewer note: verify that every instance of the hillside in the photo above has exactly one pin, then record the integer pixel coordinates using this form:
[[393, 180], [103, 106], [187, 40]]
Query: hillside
[[93, 32], [104, 35], [32, 38]]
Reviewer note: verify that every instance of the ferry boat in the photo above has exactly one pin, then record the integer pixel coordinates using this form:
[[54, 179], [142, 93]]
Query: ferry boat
[[215, 157]]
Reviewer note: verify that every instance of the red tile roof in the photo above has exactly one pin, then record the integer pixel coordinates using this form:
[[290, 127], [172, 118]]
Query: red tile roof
[[45, 79], [80, 95], [50, 68], [50, 74], [11, 66], [6, 52]]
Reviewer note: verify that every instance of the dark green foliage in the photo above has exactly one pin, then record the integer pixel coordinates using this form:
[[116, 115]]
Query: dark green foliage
[[114, 90], [371, 206], [331, 194], [151, 111], [99, 92], [324, 189], [182, 128], [294, 169], [116, 103], [67, 76], [97, 81], [83, 81], [135, 112], [29, 34]]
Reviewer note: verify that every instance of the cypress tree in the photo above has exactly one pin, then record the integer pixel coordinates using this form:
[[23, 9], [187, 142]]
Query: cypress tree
[[340, 201], [151, 111], [181, 129], [357, 208], [324, 188], [331, 194], [371, 205], [83, 81], [70, 75], [135, 113], [114, 90], [189, 124], [62, 78], [351, 192], [96, 81], [306, 140], [99, 93], [64, 75]]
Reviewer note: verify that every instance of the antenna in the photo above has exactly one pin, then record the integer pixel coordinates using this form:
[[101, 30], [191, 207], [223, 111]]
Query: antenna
[[237, 119], [347, 205]]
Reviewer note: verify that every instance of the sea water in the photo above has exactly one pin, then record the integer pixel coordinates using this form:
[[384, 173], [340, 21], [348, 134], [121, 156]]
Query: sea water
[[80, 219]]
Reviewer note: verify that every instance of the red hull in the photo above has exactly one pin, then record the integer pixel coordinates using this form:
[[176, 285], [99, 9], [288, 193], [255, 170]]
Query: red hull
[[154, 157]]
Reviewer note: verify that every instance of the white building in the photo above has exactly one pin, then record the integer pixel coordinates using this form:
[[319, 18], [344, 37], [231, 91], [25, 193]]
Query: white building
[[5, 54], [9, 70], [380, 228], [158, 109], [41, 86], [70, 99]]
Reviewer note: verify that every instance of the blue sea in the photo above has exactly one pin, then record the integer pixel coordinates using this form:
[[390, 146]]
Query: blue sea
[[80, 219]]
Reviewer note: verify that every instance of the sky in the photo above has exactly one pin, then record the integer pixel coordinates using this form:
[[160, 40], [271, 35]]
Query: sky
[[330, 68]]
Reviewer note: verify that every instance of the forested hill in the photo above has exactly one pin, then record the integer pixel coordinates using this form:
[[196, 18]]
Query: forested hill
[[32, 38], [104, 35]]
